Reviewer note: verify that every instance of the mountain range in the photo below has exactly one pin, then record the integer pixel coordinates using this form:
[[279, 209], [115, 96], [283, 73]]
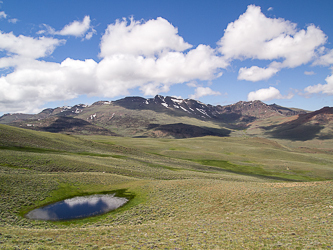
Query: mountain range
[[170, 117]]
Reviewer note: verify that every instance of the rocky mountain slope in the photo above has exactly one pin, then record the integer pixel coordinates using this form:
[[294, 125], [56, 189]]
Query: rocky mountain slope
[[178, 118], [317, 124]]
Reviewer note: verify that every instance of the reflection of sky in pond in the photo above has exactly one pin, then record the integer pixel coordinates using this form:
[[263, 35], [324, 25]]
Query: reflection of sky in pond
[[77, 207]]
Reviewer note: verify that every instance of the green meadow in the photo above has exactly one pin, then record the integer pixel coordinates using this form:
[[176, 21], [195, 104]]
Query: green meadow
[[238, 192]]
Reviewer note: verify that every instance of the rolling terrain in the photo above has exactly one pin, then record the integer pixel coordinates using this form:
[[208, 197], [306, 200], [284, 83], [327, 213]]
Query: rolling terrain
[[247, 175], [213, 192]]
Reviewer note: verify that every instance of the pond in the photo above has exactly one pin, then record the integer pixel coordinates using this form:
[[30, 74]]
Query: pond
[[78, 207]]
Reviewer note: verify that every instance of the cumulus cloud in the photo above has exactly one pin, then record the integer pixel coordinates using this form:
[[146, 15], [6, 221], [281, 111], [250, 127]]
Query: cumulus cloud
[[3, 14], [321, 88], [255, 36], [28, 46], [75, 28], [152, 56], [267, 94], [141, 38], [325, 60], [34, 83], [122, 72], [192, 84], [167, 60], [203, 91], [255, 73]]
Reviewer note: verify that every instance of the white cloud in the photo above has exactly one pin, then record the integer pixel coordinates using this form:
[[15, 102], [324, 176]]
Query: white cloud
[[152, 69], [153, 75], [203, 91], [267, 94], [3, 14], [323, 88], [90, 34], [75, 28], [28, 46], [177, 96], [37, 82], [150, 55], [255, 73], [309, 73], [192, 84], [254, 36], [270, 9], [325, 60], [13, 20], [141, 38]]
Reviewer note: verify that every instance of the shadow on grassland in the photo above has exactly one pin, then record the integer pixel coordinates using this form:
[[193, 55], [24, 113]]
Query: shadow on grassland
[[71, 124], [255, 171], [295, 132], [181, 130]]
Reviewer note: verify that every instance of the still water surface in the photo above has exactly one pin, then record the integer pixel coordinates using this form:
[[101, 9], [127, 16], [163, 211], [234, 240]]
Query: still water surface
[[78, 207]]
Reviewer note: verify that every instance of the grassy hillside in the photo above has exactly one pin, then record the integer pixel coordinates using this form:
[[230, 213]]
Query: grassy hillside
[[202, 193]]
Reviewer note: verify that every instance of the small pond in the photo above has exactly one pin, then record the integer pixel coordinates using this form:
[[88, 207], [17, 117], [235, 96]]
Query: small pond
[[78, 207]]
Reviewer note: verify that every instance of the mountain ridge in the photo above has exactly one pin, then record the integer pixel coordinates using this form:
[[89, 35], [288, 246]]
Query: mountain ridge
[[139, 102], [166, 116]]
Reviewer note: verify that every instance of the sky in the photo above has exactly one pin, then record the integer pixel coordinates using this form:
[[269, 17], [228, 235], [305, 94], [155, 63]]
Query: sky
[[67, 52]]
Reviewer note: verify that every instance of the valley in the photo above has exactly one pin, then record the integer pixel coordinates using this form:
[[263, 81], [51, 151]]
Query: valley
[[248, 175]]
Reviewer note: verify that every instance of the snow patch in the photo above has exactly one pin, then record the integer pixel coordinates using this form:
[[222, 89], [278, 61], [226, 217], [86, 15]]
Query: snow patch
[[64, 108], [185, 109], [201, 103], [176, 100], [161, 97], [164, 104], [93, 116], [203, 112]]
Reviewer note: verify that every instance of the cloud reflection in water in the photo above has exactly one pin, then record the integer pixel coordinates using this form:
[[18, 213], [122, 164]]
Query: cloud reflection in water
[[77, 207]]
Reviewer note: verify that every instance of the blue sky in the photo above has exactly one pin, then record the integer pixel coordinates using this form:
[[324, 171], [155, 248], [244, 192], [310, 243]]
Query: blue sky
[[56, 53]]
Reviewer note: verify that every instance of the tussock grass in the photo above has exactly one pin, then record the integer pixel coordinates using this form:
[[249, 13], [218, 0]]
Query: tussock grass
[[202, 193]]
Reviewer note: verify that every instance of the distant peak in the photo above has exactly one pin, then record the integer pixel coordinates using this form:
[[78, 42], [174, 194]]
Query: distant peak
[[326, 110]]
